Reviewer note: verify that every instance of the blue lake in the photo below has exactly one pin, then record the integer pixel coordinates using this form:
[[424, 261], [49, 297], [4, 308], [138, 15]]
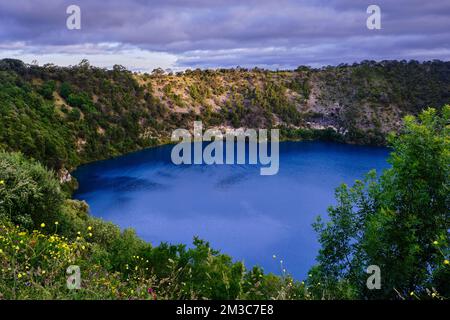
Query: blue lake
[[249, 216]]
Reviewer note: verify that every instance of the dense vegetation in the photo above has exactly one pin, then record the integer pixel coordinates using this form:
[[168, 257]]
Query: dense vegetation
[[65, 116], [42, 233], [53, 118], [399, 221]]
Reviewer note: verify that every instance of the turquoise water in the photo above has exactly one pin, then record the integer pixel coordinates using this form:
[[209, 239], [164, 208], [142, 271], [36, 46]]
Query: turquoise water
[[249, 216]]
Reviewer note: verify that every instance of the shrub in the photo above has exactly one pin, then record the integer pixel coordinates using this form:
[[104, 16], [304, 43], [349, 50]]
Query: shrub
[[398, 222], [29, 194]]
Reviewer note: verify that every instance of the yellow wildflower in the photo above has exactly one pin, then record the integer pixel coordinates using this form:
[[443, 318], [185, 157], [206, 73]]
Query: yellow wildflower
[[2, 182], [56, 223], [42, 225], [19, 275], [435, 243], [89, 228], [446, 261]]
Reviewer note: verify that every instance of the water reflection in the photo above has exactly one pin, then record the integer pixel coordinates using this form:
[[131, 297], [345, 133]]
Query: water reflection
[[248, 216]]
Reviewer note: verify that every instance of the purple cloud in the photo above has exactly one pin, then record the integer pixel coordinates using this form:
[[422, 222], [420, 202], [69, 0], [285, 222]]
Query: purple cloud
[[214, 33]]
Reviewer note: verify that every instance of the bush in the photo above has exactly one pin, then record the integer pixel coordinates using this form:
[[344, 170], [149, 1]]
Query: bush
[[398, 222], [29, 194]]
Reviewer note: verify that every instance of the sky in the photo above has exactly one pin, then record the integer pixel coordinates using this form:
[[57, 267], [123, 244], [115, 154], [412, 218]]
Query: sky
[[179, 34]]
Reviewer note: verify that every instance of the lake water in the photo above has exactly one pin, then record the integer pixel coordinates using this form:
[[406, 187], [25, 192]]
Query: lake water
[[249, 216]]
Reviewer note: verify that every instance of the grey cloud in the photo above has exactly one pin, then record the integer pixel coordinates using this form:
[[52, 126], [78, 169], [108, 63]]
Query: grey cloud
[[275, 33]]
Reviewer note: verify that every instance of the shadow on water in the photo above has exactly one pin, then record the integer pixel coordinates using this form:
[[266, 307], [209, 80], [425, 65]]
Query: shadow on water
[[249, 216]]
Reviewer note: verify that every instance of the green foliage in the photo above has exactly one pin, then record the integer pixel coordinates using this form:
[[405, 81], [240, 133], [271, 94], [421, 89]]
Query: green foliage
[[65, 90], [100, 113], [41, 234], [198, 93], [47, 90], [99, 116], [29, 194], [31, 125], [399, 222]]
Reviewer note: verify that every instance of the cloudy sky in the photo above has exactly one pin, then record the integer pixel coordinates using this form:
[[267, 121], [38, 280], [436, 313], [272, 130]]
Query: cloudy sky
[[179, 34]]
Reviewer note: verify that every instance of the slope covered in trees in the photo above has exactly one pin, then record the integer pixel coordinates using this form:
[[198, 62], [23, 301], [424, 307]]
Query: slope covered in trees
[[64, 116], [399, 222]]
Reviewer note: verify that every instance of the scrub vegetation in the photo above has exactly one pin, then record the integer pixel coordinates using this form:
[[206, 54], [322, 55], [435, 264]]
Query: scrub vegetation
[[54, 118]]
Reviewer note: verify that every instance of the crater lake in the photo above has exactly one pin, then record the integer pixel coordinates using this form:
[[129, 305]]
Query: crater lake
[[240, 212]]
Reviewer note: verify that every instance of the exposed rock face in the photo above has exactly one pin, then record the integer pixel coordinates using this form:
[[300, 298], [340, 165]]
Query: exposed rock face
[[363, 101], [65, 116], [64, 176]]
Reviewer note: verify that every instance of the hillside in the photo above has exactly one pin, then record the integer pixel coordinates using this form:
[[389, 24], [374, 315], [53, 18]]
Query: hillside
[[399, 220], [65, 116]]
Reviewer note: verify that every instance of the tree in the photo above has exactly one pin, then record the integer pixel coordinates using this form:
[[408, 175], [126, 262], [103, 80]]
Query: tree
[[29, 193], [398, 222]]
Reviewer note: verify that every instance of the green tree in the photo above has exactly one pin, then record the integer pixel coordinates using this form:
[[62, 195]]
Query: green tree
[[29, 194], [399, 222]]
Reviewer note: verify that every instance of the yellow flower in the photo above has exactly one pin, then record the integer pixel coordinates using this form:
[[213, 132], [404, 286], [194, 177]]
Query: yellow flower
[[89, 228], [19, 275], [446, 261], [56, 223], [90, 234], [411, 293], [42, 225], [2, 182], [435, 243]]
